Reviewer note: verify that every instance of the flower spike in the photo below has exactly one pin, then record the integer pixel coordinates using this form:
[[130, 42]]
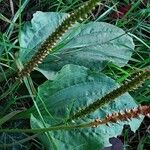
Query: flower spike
[[52, 40], [134, 83]]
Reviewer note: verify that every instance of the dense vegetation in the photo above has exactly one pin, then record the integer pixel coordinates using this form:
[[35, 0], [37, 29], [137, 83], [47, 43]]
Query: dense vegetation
[[73, 74]]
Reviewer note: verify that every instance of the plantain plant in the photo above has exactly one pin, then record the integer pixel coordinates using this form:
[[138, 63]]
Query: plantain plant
[[80, 107]]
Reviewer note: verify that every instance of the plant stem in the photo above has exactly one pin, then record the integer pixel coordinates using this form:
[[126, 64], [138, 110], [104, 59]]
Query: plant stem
[[54, 128], [132, 113]]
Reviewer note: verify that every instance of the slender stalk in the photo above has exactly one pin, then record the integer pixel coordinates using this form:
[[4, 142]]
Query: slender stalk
[[124, 116], [54, 128]]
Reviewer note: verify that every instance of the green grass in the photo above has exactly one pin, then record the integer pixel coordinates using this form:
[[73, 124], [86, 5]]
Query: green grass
[[12, 99]]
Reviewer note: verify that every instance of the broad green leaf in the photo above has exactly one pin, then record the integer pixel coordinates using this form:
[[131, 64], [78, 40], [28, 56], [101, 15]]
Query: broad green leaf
[[91, 45], [35, 32], [76, 87]]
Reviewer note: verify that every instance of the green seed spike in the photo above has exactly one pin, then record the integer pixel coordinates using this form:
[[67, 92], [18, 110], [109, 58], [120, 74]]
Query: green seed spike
[[51, 41], [139, 78]]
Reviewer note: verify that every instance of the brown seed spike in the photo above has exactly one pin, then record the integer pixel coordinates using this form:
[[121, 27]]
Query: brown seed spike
[[127, 115]]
